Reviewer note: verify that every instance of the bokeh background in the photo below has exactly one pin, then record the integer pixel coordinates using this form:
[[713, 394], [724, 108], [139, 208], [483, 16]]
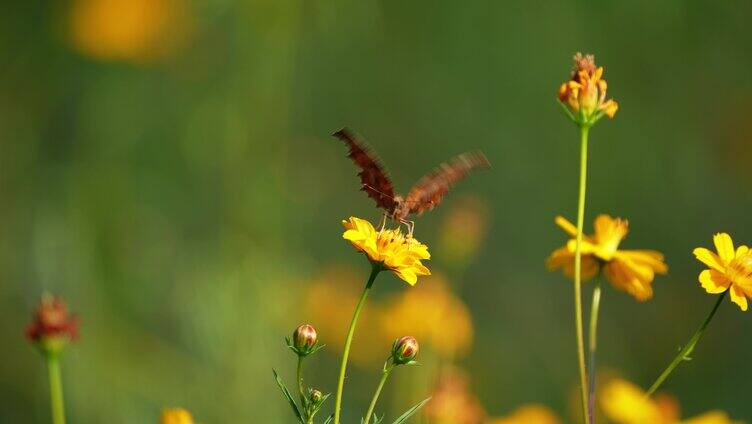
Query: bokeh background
[[166, 166]]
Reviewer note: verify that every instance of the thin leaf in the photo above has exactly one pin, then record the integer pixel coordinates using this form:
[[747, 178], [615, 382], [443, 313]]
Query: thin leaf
[[409, 413], [289, 397], [329, 420]]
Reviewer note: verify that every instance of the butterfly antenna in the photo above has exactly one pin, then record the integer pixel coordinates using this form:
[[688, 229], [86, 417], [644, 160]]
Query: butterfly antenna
[[377, 191]]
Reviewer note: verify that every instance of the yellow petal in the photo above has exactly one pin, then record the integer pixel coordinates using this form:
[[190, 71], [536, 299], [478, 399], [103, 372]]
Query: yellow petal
[[725, 247], [709, 258], [741, 250], [712, 417], [650, 258], [713, 281], [632, 279], [737, 296]]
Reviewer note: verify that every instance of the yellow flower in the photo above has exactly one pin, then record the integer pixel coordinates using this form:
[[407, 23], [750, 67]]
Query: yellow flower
[[624, 403], [632, 271], [730, 269], [433, 315], [388, 248], [175, 416], [585, 93], [528, 414], [452, 400]]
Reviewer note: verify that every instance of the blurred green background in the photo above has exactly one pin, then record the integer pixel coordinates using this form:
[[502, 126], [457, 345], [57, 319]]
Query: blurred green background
[[166, 166]]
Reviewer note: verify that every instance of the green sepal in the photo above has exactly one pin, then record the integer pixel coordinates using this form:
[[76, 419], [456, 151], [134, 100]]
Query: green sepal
[[410, 412], [301, 352], [289, 397]]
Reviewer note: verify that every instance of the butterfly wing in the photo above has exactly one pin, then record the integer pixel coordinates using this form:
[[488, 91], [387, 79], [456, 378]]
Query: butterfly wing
[[430, 190], [374, 179]]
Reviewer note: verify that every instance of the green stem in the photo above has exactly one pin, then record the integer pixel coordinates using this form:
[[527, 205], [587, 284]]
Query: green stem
[[384, 376], [56, 388], [577, 273], [593, 344], [687, 349], [300, 380], [346, 353]]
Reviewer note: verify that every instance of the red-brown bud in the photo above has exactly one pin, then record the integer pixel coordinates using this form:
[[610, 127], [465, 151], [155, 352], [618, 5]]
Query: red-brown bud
[[52, 326], [304, 339], [404, 350]]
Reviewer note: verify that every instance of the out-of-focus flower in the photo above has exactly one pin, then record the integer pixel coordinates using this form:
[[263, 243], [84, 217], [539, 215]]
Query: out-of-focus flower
[[452, 402], [404, 350], [52, 327], [175, 416], [388, 248], [584, 95], [528, 414], [328, 299], [625, 403], [730, 269], [632, 271], [132, 30], [463, 229], [431, 312]]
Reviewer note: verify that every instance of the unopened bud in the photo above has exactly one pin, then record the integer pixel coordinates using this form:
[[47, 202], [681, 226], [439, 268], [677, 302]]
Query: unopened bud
[[304, 339], [404, 350], [315, 396], [52, 326]]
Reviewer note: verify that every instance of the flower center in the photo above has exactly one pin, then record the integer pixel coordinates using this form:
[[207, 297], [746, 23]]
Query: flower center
[[739, 271]]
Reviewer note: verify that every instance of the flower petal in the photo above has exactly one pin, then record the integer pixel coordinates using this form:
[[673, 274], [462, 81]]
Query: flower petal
[[565, 225], [725, 247], [741, 250], [713, 281], [709, 258], [633, 279], [737, 296]]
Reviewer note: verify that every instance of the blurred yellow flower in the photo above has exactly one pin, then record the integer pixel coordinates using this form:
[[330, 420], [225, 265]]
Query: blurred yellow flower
[[528, 414], [434, 315], [388, 248], [585, 93], [632, 271], [730, 269], [326, 296], [135, 30], [452, 402], [175, 416], [624, 403], [463, 229]]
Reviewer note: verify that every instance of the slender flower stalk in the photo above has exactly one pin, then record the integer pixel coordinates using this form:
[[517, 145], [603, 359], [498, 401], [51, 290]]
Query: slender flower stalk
[[684, 354], [593, 343], [382, 381], [56, 388], [300, 380], [348, 341], [584, 130]]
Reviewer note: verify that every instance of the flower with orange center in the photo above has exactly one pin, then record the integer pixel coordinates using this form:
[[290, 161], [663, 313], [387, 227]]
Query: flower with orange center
[[389, 249], [631, 271], [584, 95], [175, 416], [624, 403], [730, 269]]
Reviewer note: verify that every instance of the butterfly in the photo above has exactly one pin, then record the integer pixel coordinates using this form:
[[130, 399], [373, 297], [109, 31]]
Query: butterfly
[[425, 194]]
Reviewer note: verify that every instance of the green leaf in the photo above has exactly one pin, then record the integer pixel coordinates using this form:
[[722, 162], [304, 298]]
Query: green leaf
[[330, 419], [409, 413], [289, 397]]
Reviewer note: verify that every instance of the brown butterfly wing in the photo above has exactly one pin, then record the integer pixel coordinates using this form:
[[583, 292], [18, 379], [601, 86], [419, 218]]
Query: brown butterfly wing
[[430, 190], [374, 179]]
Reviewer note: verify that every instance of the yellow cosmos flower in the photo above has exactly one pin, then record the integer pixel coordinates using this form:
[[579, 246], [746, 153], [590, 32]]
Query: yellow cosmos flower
[[631, 271], [730, 269], [388, 248], [584, 94], [528, 414], [624, 403], [176, 416]]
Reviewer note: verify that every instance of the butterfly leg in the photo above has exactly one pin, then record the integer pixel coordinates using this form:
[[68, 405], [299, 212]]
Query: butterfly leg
[[383, 222]]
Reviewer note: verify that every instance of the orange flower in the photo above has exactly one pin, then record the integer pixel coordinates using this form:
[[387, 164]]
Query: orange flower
[[584, 95], [730, 269]]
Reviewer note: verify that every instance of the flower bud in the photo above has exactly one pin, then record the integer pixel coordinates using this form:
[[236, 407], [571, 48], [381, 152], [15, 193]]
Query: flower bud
[[52, 327], [304, 339], [315, 396], [404, 350]]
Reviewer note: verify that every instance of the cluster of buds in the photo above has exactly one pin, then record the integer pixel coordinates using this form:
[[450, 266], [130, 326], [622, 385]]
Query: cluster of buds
[[584, 95], [52, 326], [404, 351], [304, 340]]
